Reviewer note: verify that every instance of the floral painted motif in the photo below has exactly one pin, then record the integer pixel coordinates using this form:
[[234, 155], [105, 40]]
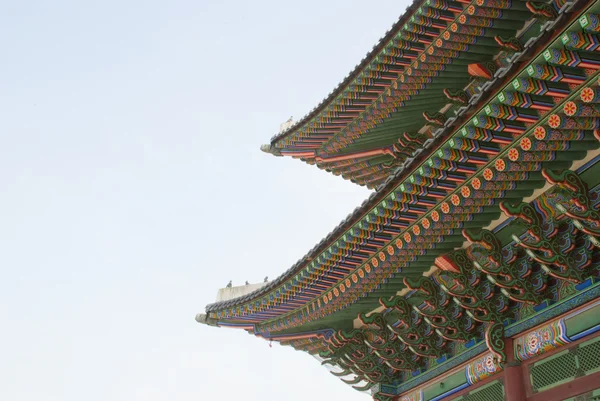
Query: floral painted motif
[[587, 95], [482, 368], [500, 165], [554, 121], [539, 133], [570, 108], [488, 174], [544, 339], [526, 144]]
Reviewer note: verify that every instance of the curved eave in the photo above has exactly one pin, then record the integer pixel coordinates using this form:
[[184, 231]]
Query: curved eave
[[442, 139], [387, 93], [369, 57]]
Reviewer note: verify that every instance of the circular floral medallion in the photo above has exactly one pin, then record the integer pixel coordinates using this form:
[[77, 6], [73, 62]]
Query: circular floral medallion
[[570, 108], [500, 165], [399, 243], [490, 366], [539, 133], [445, 207], [488, 174], [390, 250], [587, 95], [526, 144], [455, 199], [465, 191], [554, 121], [533, 342], [425, 223], [375, 262], [435, 216], [416, 230], [381, 257], [407, 237], [513, 154]]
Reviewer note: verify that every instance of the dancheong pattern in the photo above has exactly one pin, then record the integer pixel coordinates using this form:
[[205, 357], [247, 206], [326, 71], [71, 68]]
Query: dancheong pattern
[[457, 136], [541, 340]]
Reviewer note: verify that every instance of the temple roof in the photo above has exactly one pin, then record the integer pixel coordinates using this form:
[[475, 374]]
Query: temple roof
[[386, 108], [495, 214], [437, 178]]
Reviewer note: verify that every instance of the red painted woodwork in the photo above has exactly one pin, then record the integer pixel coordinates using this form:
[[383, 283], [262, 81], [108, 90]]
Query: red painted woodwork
[[514, 382]]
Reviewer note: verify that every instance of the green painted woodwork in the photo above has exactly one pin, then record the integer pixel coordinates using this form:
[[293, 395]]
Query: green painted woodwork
[[447, 384], [583, 321], [493, 391], [399, 258], [590, 396], [565, 366], [408, 117]]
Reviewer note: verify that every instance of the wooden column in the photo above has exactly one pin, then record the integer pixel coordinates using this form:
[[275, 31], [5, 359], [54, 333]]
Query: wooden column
[[514, 382]]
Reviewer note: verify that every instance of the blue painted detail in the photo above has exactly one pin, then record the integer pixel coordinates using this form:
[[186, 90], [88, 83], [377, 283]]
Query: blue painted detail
[[438, 370], [502, 225], [449, 393], [584, 333], [470, 343], [541, 306], [442, 359], [475, 349], [588, 164], [584, 285], [555, 310]]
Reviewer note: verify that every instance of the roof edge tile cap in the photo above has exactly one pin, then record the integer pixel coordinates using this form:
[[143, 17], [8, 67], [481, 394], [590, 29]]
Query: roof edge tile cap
[[204, 319], [270, 149]]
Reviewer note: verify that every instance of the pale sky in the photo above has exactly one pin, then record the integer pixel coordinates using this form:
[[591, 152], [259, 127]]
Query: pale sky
[[133, 188]]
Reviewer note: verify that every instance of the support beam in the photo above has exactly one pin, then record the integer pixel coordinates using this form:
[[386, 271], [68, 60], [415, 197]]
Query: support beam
[[514, 380]]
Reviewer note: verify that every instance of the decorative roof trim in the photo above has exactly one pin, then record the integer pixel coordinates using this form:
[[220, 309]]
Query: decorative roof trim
[[369, 57]]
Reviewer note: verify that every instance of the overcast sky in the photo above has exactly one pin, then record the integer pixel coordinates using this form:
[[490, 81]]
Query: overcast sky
[[133, 187]]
